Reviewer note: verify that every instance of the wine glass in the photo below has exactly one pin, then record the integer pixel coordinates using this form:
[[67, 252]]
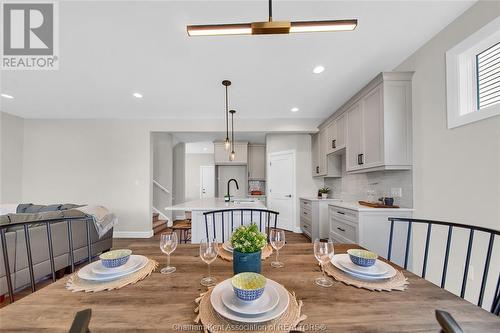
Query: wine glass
[[209, 248], [168, 244], [277, 238], [323, 251]]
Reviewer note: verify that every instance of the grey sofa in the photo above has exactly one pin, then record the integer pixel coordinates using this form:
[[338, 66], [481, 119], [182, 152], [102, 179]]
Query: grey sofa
[[16, 245]]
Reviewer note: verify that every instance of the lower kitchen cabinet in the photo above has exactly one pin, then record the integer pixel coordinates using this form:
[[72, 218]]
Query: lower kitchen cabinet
[[369, 228], [314, 217]]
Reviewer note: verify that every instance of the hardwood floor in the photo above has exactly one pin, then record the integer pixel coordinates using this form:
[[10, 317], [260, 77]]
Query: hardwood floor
[[291, 238]]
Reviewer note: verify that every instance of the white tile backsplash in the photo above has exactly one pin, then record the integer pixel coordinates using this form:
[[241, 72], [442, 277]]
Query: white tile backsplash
[[354, 187]]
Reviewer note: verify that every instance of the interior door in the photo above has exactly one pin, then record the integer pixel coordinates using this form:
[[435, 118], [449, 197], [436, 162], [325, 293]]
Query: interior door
[[281, 188], [207, 181]]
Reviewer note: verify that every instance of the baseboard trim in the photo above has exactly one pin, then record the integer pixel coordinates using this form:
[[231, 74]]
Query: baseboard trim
[[133, 234]]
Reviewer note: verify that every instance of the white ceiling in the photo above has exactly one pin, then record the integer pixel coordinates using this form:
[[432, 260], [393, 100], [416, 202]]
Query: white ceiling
[[111, 49]]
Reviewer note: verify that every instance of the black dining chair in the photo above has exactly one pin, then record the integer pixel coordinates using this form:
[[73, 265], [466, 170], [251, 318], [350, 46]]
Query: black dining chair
[[81, 322], [220, 224], [472, 230]]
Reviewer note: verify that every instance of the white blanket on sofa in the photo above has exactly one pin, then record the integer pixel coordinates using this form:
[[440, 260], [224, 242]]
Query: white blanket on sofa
[[104, 220]]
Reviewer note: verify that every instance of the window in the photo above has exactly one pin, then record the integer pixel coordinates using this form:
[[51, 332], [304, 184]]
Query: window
[[488, 77], [473, 77]]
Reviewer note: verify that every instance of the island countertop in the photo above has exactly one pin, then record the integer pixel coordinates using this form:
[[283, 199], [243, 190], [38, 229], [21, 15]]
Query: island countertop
[[215, 204]]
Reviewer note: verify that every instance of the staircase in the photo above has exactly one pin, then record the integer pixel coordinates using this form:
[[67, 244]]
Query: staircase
[[158, 224]]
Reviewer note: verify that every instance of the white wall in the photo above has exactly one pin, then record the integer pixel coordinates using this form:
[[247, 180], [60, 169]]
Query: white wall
[[11, 156], [192, 173], [353, 187], [306, 184], [162, 171], [226, 172], [108, 162], [456, 173]]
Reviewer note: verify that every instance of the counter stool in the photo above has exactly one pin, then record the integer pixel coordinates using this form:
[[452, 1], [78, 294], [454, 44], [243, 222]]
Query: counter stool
[[184, 229]]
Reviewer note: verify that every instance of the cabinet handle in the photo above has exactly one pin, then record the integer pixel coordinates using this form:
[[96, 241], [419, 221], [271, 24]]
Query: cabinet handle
[[360, 159], [343, 230], [317, 169], [342, 213], [334, 144]]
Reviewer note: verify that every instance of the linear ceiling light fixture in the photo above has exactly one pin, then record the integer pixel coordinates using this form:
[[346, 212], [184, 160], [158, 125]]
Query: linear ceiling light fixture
[[271, 27], [233, 154], [227, 83]]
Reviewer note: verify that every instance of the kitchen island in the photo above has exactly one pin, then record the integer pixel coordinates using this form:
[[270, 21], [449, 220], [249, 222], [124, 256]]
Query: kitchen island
[[198, 207]]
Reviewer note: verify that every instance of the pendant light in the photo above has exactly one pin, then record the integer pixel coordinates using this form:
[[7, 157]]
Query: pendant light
[[271, 27], [232, 156], [226, 83]]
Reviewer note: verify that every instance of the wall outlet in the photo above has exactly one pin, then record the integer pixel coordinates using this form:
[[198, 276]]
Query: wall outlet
[[397, 192]]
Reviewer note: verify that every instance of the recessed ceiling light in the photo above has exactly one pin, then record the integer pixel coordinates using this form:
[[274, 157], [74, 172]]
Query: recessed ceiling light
[[137, 95], [294, 109], [318, 69], [7, 96], [205, 149]]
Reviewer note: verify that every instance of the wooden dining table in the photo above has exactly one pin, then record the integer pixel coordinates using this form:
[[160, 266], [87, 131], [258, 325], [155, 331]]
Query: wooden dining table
[[166, 302]]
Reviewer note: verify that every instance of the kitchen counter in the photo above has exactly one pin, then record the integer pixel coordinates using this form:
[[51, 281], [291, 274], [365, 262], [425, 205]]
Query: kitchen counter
[[360, 208], [215, 204], [199, 225], [319, 199]]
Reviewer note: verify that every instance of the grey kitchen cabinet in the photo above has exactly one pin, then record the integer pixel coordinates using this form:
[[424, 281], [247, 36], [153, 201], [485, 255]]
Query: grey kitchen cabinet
[[314, 217], [336, 135], [256, 162], [374, 126], [221, 155], [379, 125], [324, 165]]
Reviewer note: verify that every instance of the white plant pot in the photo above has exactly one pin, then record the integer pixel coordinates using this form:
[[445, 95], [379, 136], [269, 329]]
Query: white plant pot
[[324, 195]]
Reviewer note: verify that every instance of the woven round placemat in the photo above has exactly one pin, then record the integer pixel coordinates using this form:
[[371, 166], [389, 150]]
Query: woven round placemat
[[228, 256], [398, 282], [213, 322], [75, 283]]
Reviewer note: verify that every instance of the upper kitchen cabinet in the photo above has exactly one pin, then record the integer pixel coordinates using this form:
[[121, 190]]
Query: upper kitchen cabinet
[[315, 154], [256, 162], [323, 165], [379, 125], [336, 135], [222, 155]]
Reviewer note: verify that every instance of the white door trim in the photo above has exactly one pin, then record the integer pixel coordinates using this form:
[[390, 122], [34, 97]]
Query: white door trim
[[294, 180]]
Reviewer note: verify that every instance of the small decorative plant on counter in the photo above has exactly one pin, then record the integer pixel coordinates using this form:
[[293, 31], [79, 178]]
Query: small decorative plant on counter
[[323, 192], [247, 242]]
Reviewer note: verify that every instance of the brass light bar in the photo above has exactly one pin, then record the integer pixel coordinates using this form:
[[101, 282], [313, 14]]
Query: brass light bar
[[271, 27], [219, 29]]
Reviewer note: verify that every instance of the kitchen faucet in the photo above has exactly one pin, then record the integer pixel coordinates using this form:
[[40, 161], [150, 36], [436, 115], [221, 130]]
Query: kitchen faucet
[[228, 188]]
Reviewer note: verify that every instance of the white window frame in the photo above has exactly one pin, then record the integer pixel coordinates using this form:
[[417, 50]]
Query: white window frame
[[461, 84]]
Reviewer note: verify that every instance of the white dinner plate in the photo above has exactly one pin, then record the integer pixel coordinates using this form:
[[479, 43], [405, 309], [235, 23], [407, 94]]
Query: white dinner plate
[[264, 303], [376, 270], [391, 272], [87, 273], [227, 246], [216, 300], [131, 263]]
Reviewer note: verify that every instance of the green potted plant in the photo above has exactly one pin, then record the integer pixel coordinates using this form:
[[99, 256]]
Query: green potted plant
[[324, 192], [247, 242]]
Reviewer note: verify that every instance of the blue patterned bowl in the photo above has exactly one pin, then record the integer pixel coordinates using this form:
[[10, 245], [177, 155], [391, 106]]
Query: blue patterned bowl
[[248, 286], [362, 257], [115, 258]]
